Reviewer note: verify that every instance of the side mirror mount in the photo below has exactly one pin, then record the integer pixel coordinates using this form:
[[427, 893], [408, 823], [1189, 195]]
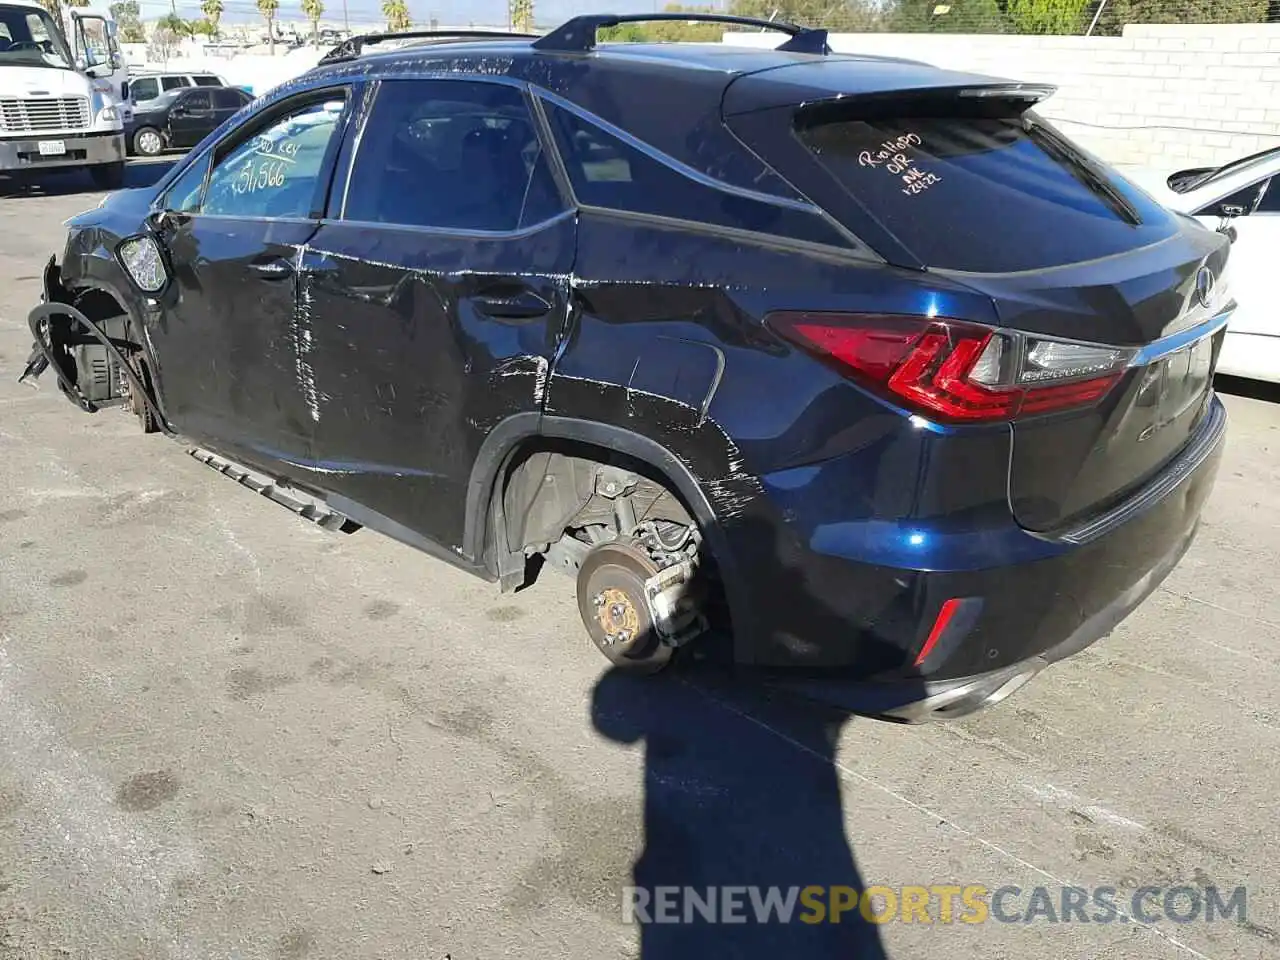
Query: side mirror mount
[[1227, 230], [1239, 204], [162, 222]]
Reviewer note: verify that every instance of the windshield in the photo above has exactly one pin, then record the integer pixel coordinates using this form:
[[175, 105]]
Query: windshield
[[29, 38]]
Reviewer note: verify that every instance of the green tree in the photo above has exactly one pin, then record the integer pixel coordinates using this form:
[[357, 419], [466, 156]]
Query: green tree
[[128, 20], [397, 14], [1119, 12], [834, 15], [1049, 16], [269, 9], [947, 16], [520, 13], [174, 24], [670, 31], [314, 10], [212, 10], [55, 10], [203, 28]]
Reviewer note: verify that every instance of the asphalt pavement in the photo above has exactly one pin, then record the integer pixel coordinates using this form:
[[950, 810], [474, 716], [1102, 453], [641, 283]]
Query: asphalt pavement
[[225, 733]]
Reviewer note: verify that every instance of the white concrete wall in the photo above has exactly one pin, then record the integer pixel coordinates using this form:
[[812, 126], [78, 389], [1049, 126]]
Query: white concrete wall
[[1160, 96]]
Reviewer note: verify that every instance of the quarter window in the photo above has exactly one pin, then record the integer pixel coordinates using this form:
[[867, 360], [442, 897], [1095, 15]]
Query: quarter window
[[608, 172], [451, 154], [172, 83], [279, 171]]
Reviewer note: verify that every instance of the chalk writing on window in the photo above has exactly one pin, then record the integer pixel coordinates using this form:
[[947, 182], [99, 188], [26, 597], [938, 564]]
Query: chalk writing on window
[[894, 157]]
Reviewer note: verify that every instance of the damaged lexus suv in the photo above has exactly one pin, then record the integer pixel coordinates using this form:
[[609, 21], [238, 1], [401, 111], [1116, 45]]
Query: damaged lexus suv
[[847, 366]]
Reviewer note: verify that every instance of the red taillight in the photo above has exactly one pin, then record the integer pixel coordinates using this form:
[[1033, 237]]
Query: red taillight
[[950, 370]]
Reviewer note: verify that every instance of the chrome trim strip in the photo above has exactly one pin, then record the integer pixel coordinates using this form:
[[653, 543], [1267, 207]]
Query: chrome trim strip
[[1176, 341], [1183, 465]]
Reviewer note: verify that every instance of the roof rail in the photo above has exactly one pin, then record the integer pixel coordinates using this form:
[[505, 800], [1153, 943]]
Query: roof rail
[[352, 47], [579, 34]]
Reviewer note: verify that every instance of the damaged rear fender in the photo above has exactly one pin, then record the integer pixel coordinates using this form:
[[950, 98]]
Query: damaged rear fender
[[485, 536]]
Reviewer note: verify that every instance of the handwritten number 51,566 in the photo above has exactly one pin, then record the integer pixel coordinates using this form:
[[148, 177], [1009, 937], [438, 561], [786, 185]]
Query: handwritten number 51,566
[[262, 176]]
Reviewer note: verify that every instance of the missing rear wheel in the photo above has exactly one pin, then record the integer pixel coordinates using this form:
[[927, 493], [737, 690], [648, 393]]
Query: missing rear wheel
[[614, 608]]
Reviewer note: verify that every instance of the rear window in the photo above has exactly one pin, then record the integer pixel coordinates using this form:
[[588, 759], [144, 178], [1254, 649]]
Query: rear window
[[985, 194]]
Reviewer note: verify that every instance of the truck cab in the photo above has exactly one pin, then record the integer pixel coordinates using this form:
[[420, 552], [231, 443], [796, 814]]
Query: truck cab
[[60, 102]]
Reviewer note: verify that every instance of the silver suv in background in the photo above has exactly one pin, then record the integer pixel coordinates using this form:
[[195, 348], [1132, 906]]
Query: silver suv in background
[[147, 86]]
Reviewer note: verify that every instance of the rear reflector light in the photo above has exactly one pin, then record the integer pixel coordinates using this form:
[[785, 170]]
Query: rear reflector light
[[949, 370], [939, 628]]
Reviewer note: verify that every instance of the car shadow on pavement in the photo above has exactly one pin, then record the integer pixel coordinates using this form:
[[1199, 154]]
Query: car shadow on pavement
[[740, 791], [67, 183]]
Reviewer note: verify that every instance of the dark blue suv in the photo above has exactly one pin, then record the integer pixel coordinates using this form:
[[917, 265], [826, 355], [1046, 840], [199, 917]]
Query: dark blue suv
[[846, 365]]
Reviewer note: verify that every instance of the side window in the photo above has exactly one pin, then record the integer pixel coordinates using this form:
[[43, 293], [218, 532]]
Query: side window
[[206, 80], [172, 83], [277, 171], [451, 154], [608, 172], [228, 99], [200, 101], [145, 88], [1270, 202], [184, 194]]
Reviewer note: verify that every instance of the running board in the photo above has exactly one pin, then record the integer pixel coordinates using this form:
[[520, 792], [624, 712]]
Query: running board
[[304, 505]]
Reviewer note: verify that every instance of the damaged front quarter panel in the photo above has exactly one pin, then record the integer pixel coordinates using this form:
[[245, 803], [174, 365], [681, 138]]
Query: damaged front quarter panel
[[86, 325]]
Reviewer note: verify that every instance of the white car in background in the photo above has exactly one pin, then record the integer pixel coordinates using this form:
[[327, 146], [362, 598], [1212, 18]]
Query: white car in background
[[1241, 199]]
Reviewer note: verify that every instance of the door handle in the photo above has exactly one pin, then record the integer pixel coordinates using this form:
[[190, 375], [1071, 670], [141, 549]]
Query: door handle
[[521, 305], [275, 269]]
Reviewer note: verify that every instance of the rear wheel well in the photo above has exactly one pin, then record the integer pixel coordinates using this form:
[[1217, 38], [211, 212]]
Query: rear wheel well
[[556, 499]]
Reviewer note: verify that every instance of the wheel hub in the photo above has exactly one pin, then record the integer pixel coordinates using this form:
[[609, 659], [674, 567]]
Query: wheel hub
[[617, 615]]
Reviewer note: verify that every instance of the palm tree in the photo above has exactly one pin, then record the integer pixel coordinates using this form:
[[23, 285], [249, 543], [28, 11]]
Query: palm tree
[[212, 10], [314, 10], [397, 14], [268, 9], [174, 24], [520, 13]]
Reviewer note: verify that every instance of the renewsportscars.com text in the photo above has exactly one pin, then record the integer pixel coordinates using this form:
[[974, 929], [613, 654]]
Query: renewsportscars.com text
[[936, 903]]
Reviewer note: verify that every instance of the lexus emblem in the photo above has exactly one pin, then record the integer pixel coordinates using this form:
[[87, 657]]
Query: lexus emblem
[[1203, 293]]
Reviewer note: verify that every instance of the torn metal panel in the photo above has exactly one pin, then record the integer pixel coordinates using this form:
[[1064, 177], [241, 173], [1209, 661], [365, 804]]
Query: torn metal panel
[[418, 362]]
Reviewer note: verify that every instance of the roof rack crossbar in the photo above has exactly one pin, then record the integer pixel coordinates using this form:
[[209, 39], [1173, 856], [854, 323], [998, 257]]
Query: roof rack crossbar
[[352, 47], [579, 33]]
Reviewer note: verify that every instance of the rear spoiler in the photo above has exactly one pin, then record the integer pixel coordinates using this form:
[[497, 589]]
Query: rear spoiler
[[913, 91]]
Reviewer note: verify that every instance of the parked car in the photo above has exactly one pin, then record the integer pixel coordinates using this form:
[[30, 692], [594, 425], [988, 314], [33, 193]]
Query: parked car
[[1242, 199], [849, 367], [181, 118], [145, 87]]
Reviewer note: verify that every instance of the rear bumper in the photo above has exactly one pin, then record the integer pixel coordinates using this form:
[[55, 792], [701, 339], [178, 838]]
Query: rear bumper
[[948, 699], [88, 149], [1051, 597]]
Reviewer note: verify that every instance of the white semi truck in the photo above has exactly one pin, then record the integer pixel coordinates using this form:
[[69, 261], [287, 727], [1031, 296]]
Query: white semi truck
[[62, 87]]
